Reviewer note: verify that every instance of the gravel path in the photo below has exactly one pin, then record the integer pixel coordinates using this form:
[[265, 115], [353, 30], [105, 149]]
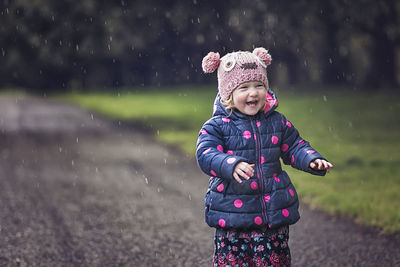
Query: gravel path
[[79, 190]]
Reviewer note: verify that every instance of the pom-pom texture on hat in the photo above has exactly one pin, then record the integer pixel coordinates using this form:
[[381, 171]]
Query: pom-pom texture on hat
[[211, 62], [263, 54]]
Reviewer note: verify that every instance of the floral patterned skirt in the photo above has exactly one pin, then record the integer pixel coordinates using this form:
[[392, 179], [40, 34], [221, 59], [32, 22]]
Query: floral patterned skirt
[[257, 247]]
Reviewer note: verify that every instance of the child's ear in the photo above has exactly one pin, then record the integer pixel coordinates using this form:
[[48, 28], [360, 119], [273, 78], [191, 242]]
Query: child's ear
[[211, 62], [263, 55]]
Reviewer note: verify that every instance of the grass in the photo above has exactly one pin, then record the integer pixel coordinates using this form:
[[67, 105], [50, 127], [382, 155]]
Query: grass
[[358, 132]]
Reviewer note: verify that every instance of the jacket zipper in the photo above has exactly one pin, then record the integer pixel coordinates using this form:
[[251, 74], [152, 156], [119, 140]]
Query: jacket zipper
[[258, 148]]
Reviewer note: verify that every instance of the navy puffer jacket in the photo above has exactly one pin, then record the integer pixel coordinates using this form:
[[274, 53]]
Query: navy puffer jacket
[[267, 198]]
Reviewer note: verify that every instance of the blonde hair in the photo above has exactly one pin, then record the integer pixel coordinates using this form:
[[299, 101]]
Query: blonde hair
[[228, 103]]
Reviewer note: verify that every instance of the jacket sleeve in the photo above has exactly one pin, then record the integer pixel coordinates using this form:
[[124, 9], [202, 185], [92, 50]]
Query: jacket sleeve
[[297, 152], [210, 152]]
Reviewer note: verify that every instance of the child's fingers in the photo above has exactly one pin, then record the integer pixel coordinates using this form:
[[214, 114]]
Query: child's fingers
[[247, 169], [313, 165], [327, 164], [321, 165], [236, 176], [330, 165], [324, 164], [242, 173], [252, 168], [317, 164]]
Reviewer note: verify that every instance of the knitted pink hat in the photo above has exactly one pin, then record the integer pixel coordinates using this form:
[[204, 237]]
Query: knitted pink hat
[[238, 67]]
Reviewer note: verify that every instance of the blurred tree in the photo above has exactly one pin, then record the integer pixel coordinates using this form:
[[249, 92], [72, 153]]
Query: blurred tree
[[379, 20], [58, 45]]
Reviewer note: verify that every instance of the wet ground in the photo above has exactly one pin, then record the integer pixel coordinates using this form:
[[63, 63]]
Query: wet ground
[[80, 190]]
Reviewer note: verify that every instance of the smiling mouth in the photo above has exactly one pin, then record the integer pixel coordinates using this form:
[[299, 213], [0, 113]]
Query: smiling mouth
[[252, 103]]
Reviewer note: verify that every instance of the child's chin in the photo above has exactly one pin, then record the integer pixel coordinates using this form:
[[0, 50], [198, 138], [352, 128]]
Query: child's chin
[[251, 112]]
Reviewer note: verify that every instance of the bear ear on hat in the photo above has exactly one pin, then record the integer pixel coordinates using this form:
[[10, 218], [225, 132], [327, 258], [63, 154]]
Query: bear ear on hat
[[211, 62], [263, 55]]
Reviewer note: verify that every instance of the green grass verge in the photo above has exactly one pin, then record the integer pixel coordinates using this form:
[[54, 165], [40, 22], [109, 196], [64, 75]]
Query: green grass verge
[[358, 132]]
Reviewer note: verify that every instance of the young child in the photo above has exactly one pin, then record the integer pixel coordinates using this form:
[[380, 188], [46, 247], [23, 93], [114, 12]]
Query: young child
[[250, 200]]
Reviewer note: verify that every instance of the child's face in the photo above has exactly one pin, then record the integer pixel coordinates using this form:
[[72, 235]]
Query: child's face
[[249, 97]]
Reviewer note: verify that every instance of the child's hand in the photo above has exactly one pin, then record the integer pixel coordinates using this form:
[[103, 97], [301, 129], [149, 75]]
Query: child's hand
[[243, 169], [321, 164]]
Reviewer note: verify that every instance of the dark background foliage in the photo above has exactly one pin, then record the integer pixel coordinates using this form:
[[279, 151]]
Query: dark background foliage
[[51, 45]]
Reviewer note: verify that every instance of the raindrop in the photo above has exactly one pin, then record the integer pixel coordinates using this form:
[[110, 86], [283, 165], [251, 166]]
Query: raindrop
[[330, 60], [72, 162], [325, 99], [60, 149], [77, 47], [77, 140], [91, 115], [190, 197]]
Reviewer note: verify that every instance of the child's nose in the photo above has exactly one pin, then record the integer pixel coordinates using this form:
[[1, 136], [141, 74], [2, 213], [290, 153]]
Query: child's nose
[[253, 91]]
